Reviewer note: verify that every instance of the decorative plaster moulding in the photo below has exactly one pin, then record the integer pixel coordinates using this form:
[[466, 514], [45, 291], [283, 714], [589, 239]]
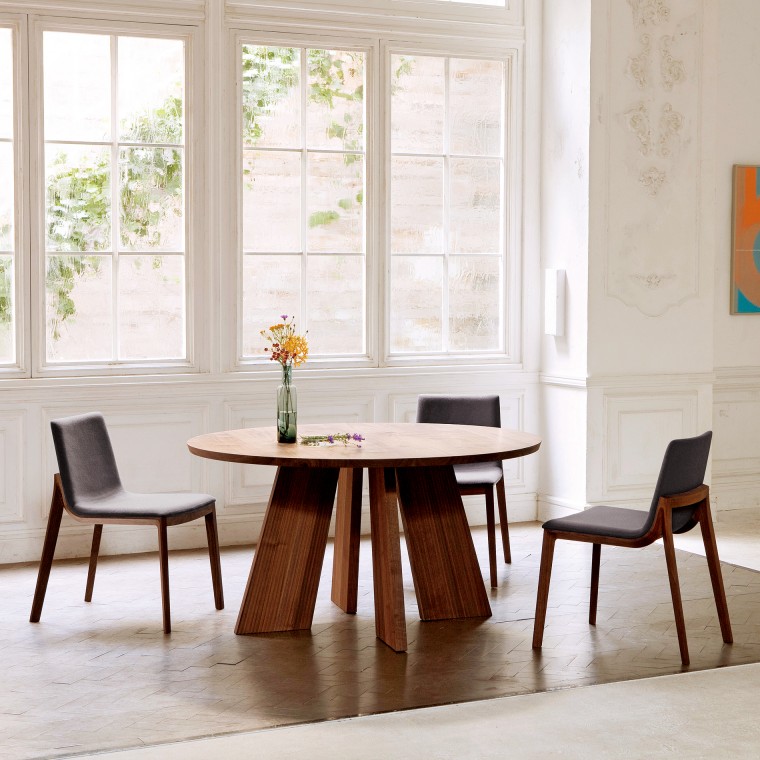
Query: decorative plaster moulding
[[654, 151]]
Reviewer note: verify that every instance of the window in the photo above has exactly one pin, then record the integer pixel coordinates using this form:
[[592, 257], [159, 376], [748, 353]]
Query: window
[[7, 202], [306, 210], [114, 196], [447, 205], [304, 188]]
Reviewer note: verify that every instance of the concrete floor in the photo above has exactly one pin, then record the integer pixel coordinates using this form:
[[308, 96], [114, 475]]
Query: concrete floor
[[708, 714]]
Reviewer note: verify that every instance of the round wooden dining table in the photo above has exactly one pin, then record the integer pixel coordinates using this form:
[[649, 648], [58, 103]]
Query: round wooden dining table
[[411, 471]]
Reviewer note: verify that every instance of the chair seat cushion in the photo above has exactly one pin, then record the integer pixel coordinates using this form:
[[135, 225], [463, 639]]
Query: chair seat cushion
[[124, 504], [479, 474], [616, 522]]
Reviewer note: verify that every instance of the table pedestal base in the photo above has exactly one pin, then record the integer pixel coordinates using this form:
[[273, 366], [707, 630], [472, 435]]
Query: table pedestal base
[[282, 586], [447, 578]]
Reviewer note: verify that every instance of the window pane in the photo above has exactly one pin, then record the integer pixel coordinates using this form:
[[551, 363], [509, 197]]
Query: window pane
[[303, 110], [475, 103], [78, 198], [271, 201], [151, 90], [335, 286], [443, 204], [271, 96], [151, 307], [78, 308], [475, 206], [7, 305], [6, 196], [336, 199], [474, 303], [335, 111], [271, 286], [416, 304], [77, 86], [150, 191], [417, 205], [419, 104], [120, 306], [6, 84]]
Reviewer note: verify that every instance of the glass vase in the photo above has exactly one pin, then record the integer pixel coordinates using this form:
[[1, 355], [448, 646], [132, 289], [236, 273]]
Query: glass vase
[[287, 407]]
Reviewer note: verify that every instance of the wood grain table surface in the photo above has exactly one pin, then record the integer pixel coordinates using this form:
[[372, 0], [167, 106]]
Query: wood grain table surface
[[391, 444]]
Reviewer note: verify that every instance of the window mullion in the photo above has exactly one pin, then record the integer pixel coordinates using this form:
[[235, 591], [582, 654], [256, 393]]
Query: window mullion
[[304, 317], [115, 182], [446, 208]]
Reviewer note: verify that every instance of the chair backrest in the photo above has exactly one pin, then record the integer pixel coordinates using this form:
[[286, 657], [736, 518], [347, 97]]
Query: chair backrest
[[85, 458], [683, 469], [459, 410]]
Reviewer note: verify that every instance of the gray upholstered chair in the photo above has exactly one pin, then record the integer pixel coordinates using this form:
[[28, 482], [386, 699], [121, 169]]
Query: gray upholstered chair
[[474, 479], [680, 502], [88, 487]]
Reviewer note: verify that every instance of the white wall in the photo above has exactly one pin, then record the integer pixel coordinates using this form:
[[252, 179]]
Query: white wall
[[151, 418], [566, 90], [736, 455], [671, 108]]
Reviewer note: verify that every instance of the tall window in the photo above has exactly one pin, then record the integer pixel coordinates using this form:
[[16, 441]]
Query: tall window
[[303, 172], [446, 200], [114, 198], [7, 202]]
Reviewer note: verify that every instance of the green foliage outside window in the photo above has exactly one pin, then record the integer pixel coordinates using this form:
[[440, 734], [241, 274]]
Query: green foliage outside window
[[79, 204], [78, 196]]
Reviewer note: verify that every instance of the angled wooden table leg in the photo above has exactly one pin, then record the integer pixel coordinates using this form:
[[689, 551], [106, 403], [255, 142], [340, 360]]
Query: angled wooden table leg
[[447, 578], [390, 623], [348, 518], [282, 586]]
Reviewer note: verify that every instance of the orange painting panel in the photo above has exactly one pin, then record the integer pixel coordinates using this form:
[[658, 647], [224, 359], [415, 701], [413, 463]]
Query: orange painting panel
[[745, 259]]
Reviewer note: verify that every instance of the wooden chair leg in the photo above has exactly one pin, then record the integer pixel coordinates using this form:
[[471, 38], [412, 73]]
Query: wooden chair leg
[[216, 564], [542, 597], [675, 589], [163, 556], [503, 524], [491, 522], [716, 576], [48, 550], [96, 534], [596, 554]]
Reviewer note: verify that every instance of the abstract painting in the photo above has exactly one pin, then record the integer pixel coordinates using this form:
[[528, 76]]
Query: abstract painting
[[745, 253]]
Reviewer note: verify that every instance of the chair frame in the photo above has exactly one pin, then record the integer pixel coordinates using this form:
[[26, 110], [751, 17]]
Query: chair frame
[[59, 504], [501, 497], [662, 527]]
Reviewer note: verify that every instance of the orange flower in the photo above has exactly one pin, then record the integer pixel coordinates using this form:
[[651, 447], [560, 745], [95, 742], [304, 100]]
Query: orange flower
[[285, 346]]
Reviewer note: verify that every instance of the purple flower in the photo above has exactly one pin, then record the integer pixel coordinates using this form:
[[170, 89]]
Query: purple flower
[[357, 437], [330, 439], [283, 317]]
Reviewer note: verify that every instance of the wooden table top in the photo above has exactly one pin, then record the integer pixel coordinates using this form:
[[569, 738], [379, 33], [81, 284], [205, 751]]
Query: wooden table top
[[386, 445]]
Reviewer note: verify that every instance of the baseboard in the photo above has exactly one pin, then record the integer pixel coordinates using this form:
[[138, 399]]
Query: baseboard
[[550, 507]]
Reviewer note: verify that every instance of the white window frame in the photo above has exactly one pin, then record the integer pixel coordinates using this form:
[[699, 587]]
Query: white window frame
[[510, 267], [195, 298], [20, 367], [379, 47], [511, 13], [372, 253]]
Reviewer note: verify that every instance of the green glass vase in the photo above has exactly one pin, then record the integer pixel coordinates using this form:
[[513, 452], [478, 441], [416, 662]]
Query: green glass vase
[[287, 407]]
